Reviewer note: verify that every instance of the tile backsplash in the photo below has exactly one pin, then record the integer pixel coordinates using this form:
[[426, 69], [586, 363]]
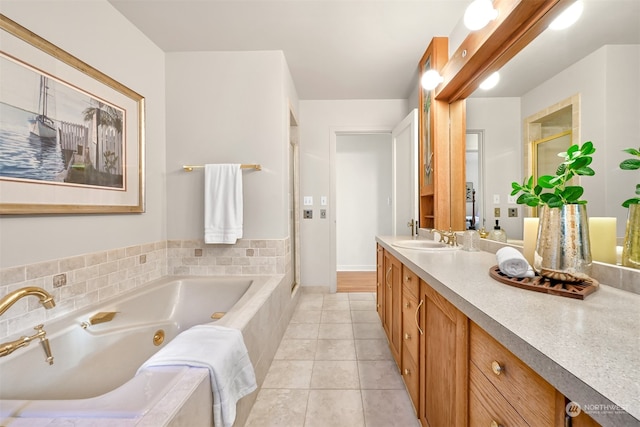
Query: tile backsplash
[[79, 281]]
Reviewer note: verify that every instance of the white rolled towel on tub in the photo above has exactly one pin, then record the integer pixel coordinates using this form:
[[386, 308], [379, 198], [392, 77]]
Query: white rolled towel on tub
[[512, 263]]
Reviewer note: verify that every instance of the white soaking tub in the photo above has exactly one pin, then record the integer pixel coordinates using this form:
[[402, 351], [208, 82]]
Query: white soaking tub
[[94, 370]]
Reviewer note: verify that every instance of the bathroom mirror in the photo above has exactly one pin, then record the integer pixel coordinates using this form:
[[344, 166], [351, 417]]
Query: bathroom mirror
[[597, 62]]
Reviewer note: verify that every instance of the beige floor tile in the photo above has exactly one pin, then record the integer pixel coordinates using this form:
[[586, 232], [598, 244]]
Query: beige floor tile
[[335, 375], [334, 408], [296, 350], [379, 375], [385, 408], [289, 374], [279, 408], [310, 302], [362, 305], [335, 350], [335, 316], [306, 316], [368, 331], [337, 297], [362, 296], [336, 305], [365, 316], [337, 331], [373, 350], [301, 331]]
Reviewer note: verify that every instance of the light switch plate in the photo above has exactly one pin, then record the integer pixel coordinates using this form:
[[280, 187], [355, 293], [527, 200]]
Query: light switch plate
[[308, 200], [323, 200], [496, 199]]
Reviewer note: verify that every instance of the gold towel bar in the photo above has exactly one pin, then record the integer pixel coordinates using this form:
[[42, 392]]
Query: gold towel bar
[[190, 168]]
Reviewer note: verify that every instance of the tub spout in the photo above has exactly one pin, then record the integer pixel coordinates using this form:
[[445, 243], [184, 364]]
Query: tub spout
[[9, 347], [45, 298]]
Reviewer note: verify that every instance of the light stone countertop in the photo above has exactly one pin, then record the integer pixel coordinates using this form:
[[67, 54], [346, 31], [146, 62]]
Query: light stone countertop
[[587, 349]]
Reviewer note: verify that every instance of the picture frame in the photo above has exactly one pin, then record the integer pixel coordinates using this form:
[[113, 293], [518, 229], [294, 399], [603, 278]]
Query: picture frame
[[71, 137]]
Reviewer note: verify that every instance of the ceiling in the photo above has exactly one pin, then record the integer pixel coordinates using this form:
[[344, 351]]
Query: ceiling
[[365, 49]]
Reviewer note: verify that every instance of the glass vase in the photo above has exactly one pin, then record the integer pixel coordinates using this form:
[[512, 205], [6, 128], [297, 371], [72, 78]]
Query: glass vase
[[631, 246]]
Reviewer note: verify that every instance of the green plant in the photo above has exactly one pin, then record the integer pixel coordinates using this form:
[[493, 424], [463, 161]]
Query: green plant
[[629, 165], [553, 191]]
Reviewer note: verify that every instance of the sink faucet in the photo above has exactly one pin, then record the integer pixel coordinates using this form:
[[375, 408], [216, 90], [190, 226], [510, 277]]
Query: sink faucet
[[45, 298], [47, 302], [448, 237]]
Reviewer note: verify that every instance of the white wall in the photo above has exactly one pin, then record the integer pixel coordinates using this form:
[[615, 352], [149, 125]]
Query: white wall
[[609, 87], [363, 195], [500, 120], [319, 122], [96, 33], [229, 107]]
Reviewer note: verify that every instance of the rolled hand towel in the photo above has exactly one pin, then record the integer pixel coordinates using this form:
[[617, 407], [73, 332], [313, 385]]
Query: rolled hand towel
[[512, 263]]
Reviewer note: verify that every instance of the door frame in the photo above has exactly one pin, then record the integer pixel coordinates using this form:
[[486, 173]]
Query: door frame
[[334, 132]]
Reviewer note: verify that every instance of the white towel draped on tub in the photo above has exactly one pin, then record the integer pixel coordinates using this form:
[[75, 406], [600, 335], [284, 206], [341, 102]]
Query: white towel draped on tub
[[512, 263], [223, 352], [222, 203]]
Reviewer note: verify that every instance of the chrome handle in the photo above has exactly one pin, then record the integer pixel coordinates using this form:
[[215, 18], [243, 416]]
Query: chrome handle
[[416, 317], [496, 368], [407, 336]]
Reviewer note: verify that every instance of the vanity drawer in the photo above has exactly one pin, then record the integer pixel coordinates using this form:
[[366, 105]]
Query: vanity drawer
[[411, 377], [529, 394], [487, 407], [410, 281], [410, 333]]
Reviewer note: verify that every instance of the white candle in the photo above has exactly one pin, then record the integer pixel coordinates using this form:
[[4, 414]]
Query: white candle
[[602, 236], [530, 237]]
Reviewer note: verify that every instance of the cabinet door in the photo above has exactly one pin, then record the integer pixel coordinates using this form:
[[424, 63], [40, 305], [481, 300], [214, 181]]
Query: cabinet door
[[393, 304], [443, 362]]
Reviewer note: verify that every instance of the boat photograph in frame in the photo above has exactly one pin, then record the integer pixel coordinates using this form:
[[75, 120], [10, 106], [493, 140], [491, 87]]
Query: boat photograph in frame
[[71, 137]]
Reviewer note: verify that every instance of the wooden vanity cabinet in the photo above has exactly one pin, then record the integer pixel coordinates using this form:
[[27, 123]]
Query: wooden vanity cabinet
[[392, 322], [504, 391], [443, 361], [380, 287]]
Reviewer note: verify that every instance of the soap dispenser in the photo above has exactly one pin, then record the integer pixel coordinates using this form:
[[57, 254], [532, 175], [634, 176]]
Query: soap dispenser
[[498, 234]]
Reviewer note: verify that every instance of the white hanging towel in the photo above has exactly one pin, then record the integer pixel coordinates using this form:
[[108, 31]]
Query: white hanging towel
[[222, 203]]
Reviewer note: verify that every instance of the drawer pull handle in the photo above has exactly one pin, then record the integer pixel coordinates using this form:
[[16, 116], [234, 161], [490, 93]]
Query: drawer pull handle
[[386, 277], [495, 424], [407, 336], [407, 371], [407, 278], [497, 369], [407, 304], [416, 317]]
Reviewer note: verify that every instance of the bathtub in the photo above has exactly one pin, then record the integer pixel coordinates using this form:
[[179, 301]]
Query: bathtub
[[94, 370]]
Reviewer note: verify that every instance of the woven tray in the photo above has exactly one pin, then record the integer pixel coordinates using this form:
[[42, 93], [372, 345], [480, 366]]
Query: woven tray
[[542, 284]]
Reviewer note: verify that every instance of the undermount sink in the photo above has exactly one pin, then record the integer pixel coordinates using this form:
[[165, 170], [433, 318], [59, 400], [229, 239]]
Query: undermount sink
[[424, 245]]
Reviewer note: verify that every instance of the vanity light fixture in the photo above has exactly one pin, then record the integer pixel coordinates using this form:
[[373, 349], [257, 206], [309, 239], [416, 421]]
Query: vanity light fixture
[[431, 79], [490, 82], [568, 17], [478, 14]]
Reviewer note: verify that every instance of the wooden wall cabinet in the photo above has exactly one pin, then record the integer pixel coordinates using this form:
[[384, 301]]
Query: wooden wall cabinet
[[443, 362]]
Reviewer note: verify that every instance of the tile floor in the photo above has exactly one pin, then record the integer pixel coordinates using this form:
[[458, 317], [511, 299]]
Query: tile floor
[[333, 368]]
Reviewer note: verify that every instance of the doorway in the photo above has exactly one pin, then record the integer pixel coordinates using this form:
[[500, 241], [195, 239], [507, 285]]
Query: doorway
[[363, 206], [294, 218]]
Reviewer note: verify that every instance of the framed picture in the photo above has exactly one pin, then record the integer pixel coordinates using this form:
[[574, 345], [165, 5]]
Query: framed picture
[[71, 137]]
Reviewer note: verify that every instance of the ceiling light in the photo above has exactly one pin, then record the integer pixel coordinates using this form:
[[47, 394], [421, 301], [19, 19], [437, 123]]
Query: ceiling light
[[568, 17], [431, 79], [478, 14], [490, 82]]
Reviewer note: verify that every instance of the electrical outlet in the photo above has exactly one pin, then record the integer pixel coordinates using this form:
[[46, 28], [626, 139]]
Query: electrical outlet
[[513, 212], [496, 212], [307, 214], [323, 213]]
